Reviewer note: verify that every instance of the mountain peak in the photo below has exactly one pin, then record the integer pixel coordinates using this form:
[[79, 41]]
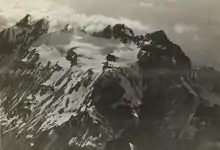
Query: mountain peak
[[71, 89]]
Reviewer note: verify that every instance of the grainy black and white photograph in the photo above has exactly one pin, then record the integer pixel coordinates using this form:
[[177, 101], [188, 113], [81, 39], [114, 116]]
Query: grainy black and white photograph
[[110, 74]]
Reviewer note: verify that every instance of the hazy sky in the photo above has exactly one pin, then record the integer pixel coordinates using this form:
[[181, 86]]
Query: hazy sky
[[193, 24]]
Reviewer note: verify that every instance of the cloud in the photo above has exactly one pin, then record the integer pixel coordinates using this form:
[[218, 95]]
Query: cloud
[[98, 22], [184, 28], [17, 8], [90, 23], [196, 38], [146, 3], [60, 15], [171, 1]]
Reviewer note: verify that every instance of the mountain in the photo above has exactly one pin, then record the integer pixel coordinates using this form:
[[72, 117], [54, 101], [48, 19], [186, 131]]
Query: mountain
[[71, 89]]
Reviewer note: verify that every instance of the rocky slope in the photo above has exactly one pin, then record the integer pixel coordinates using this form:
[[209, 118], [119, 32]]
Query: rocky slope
[[58, 92]]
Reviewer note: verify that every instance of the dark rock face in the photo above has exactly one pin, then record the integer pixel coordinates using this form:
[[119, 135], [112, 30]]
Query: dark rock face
[[159, 37], [107, 32], [14, 38], [162, 53], [118, 31], [72, 56], [121, 31], [110, 110], [24, 22], [110, 57]]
